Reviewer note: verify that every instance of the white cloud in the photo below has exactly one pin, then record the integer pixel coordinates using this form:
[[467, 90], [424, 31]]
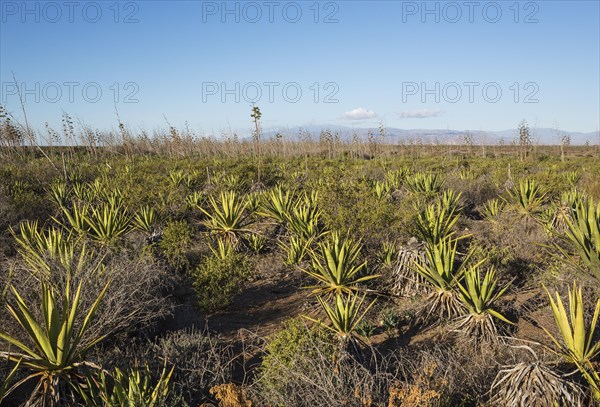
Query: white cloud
[[359, 114], [418, 114]]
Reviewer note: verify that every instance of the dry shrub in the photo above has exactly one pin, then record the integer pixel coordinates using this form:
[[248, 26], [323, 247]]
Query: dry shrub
[[201, 362], [421, 393], [313, 376], [230, 395]]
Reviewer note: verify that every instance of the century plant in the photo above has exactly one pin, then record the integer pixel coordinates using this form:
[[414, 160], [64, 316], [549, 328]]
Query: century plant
[[256, 241], [405, 281], [436, 221], [277, 204], [573, 177], [577, 340], [425, 183], [395, 178], [296, 249], [130, 388], [108, 221], [336, 267], [479, 297], [176, 177], [227, 217], [528, 196], [59, 193], [40, 248], [195, 200], [146, 219], [345, 314], [224, 249], [583, 232], [254, 200], [304, 220], [76, 217], [492, 208], [83, 192], [382, 189], [389, 253], [533, 384], [443, 276], [56, 357], [556, 217]]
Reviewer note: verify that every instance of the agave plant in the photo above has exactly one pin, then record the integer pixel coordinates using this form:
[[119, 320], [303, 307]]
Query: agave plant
[[584, 234], [227, 217], [296, 249], [145, 219], [382, 189], [556, 216], [108, 221], [195, 200], [389, 254], [572, 177], [75, 217], [176, 177], [60, 193], [224, 249], [233, 182], [304, 220], [38, 248], [479, 296], [443, 277], [133, 387], [336, 267], [345, 314], [58, 352], [491, 209], [276, 204], [83, 192], [466, 173], [436, 221], [395, 178], [254, 200], [425, 183], [577, 344], [528, 196], [256, 241]]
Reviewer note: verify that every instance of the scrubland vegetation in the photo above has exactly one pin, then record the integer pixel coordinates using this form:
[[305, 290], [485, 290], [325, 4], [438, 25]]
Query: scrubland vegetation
[[157, 270]]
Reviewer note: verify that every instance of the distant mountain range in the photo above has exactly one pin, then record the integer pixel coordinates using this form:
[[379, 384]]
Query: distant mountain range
[[542, 136]]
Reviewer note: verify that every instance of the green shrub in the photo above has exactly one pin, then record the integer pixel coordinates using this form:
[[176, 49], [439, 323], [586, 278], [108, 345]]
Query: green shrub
[[217, 281], [175, 242], [294, 345]]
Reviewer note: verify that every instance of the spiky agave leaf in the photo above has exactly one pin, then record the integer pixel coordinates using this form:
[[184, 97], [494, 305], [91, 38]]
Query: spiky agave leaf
[[276, 204], [336, 268], [528, 196], [345, 314], [577, 340], [227, 217], [57, 349], [584, 234], [478, 296], [442, 276], [577, 344]]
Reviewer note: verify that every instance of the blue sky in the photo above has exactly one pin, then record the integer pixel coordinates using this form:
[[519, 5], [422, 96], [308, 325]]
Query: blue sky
[[432, 65]]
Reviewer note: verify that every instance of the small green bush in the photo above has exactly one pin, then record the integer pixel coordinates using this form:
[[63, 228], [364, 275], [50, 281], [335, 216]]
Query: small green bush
[[217, 281], [295, 344], [175, 243]]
